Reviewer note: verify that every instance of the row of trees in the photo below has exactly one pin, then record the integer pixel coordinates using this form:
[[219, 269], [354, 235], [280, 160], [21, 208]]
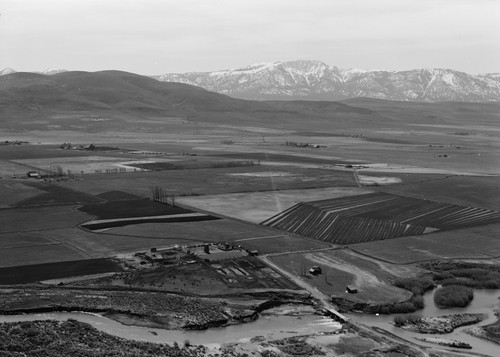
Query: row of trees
[[160, 194]]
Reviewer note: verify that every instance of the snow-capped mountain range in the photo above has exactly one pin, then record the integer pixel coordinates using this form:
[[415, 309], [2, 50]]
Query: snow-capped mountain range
[[314, 80]]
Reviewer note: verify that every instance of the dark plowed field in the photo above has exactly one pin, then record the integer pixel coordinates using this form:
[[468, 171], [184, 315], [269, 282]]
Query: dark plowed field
[[376, 216], [38, 272], [131, 208]]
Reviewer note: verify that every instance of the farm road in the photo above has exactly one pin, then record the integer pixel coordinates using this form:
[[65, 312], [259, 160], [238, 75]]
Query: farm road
[[313, 290]]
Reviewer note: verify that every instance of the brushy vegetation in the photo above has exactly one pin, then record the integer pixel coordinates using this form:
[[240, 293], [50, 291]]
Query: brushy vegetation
[[400, 320], [453, 296], [412, 305], [73, 338], [473, 275], [418, 286]]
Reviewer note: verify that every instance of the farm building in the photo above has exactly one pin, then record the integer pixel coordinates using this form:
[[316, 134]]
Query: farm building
[[33, 174], [351, 289], [154, 257], [315, 270]]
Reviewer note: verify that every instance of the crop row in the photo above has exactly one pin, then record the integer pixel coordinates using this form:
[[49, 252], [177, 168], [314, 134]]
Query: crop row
[[376, 216], [311, 222]]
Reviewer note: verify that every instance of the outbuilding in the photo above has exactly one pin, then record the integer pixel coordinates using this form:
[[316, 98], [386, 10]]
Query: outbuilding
[[351, 289], [315, 270]]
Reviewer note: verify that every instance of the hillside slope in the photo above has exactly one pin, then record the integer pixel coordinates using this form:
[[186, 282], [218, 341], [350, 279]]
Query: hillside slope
[[114, 99]]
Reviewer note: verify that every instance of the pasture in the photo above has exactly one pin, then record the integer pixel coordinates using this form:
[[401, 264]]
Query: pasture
[[341, 268]]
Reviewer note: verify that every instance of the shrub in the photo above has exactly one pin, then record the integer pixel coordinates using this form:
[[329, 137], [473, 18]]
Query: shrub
[[416, 285], [400, 320], [418, 301], [453, 296]]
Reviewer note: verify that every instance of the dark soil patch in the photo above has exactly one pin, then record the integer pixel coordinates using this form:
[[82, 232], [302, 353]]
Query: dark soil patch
[[131, 208], [37, 272], [121, 223]]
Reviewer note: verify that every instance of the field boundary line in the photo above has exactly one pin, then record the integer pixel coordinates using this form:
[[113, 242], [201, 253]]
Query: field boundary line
[[303, 251], [33, 245], [255, 238]]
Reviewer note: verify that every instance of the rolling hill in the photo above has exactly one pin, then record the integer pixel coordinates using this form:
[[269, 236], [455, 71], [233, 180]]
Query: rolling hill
[[110, 98]]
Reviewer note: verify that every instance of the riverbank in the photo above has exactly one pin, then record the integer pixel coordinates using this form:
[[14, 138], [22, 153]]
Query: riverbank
[[146, 309], [441, 324], [489, 332], [74, 338], [445, 342]]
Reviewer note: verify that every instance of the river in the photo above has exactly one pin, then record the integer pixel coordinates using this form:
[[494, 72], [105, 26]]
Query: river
[[485, 302], [272, 324], [279, 323]]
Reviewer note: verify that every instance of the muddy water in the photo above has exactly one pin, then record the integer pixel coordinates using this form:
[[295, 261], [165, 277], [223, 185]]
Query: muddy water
[[484, 302], [269, 325]]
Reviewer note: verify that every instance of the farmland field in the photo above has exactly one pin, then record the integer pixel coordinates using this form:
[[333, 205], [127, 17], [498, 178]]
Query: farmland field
[[55, 195], [477, 191], [40, 218], [214, 180], [376, 216], [280, 244], [256, 207], [130, 208], [90, 164], [481, 242], [39, 254], [37, 272], [13, 192]]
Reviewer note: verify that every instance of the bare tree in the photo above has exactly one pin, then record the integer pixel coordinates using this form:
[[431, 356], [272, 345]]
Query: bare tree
[[158, 193]]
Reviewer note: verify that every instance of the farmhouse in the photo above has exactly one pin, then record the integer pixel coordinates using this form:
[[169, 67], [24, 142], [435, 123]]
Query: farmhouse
[[154, 257], [33, 174]]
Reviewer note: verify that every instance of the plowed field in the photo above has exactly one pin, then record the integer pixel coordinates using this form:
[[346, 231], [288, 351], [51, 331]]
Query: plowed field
[[376, 216]]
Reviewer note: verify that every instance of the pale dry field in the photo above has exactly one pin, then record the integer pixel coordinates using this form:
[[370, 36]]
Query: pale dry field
[[256, 207]]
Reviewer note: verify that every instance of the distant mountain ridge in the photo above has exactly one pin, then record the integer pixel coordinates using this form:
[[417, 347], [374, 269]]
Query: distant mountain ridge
[[48, 71], [315, 80]]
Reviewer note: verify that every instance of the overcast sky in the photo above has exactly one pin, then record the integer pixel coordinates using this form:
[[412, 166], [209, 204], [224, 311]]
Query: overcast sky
[[164, 36]]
